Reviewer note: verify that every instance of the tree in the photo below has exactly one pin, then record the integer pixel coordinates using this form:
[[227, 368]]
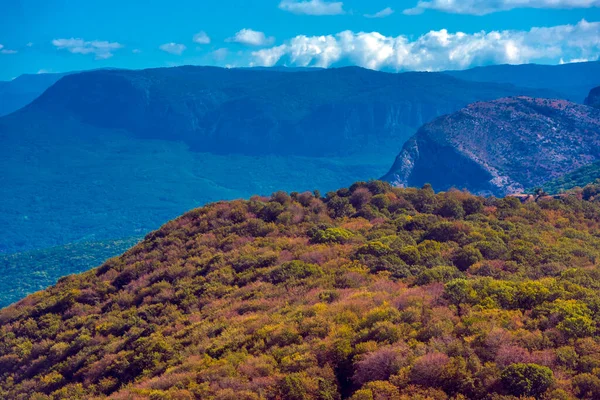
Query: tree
[[587, 386], [451, 208], [428, 369], [459, 291], [466, 257], [527, 379], [377, 366]]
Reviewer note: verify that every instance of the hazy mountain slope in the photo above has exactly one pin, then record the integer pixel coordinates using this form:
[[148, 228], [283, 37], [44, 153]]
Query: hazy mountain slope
[[369, 293], [256, 112], [25, 273], [500, 147], [93, 184], [572, 80], [23, 90]]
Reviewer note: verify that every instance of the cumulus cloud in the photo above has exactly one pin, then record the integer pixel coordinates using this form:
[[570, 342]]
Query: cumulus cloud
[[483, 7], [438, 50], [101, 49], [386, 12], [252, 38], [173, 48], [201, 38], [312, 7]]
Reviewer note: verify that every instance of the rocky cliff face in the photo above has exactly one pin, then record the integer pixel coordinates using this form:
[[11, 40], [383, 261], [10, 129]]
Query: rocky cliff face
[[500, 147], [593, 100]]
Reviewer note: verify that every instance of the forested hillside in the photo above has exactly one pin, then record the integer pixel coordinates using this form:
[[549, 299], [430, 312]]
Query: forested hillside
[[370, 292], [581, 177]]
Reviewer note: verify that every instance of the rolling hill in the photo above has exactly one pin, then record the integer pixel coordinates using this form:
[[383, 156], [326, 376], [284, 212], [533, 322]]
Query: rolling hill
[[372, 292], [501, 147]]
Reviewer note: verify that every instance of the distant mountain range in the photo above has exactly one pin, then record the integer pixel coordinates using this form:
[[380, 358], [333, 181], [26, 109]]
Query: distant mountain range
[[23, 90], [501, 147], [572, 80], [257, 112]]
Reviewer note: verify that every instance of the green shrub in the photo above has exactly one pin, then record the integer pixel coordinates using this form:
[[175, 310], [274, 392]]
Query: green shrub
[[527, 379], [293, 271], [332, 235]]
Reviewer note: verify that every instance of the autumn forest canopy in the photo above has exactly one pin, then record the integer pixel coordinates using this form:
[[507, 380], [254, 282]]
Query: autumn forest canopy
[[370, 292]]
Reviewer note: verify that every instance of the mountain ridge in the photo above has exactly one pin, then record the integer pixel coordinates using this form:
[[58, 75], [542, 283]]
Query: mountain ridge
[[500, 147], [573, 80], [258, 112]]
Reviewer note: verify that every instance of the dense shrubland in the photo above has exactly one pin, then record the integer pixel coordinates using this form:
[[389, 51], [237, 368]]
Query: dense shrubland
[[582, 177], [368, 293]]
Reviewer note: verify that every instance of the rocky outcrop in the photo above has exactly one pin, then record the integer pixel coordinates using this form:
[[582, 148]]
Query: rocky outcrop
[[593, 99], [500, 147]]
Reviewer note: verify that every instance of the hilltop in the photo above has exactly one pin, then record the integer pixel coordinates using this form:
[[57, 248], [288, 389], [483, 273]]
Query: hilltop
[[370, 292], [500, 147]]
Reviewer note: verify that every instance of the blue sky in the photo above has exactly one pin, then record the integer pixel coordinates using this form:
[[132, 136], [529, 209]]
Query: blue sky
[[66, 35]]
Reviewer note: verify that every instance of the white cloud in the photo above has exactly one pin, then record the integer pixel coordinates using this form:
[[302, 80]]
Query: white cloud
[[312, 7], [201, 38], [483, 7], [102, 49], [220, 54], [574, 60], [386, 12], [252, 38], [173, 48], [43, 71], [30, 44], [6, 51], [438, 50], [136, 51]]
